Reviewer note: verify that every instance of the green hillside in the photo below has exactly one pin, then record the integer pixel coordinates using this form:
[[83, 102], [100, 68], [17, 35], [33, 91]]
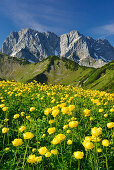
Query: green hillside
[[54, 70]]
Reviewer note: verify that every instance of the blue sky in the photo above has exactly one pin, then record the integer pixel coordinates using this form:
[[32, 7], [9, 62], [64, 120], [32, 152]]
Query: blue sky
[[90, 17]]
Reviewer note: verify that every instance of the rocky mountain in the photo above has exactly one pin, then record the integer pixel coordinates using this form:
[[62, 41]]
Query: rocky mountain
[[35, 46]]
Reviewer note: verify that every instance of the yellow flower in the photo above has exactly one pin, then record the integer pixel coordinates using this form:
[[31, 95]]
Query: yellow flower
[[105, 142], [68, 131], [38, 158], [58, 138], [65, 110], [96, 139], [22, 128], [28, 117], [47, 111], [73, 124], [55, 141], [34, 149], [31, 159], [65, 126], [86, 112], [43, 136], [54, 151], [51, 130], [91, 118], [71, 107], [112, 110], [88, 138], [16, 116], [99, 150], [96, 131], [28, 135], [51, 121], [88, 145], [17, 142], [48, 154], [22, 114], [78, 155], [69, 142], [55, 112], [5, 130], [110, 125], [2, 105], [32, 109], [5, 109], [105, 115], [6, 149], [101, 110], [43, 150]]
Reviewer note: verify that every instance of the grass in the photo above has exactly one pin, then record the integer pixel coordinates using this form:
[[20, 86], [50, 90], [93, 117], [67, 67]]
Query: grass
[[53, 115]]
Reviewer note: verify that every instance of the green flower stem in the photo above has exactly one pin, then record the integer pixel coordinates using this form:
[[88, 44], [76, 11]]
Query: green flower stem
[[25, 155], [62, 153], [78, 164], [15, 156], [106, 160]]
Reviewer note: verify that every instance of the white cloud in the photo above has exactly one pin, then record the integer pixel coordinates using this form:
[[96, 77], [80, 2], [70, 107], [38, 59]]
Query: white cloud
[[104, 31], [40, 16]]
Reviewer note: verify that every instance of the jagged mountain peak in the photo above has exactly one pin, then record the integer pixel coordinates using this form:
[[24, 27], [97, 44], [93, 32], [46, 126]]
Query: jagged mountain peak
[[35, 46]]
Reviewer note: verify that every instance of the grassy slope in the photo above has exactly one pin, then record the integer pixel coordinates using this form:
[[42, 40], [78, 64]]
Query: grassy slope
[[55, 70]]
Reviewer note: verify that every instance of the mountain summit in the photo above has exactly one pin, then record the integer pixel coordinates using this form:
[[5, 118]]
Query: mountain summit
[[35, 46]]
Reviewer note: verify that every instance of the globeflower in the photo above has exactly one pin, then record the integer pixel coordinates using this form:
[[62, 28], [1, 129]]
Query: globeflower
[[96, 131], [47, 111], [73, 124], [71, 107], [5, 130], [48, 154], [16, 116], [55, 112], [17, 142], [101, 110], [28, 135], [32, 109], [31, 159], [78, 155], [88, 145], [65, 126], [58, 138], [22, 114], [38, 158], [22, 128], [54, 151], [105, 142], [65, 110], [51, 130], [86, 112], [69, 142], [51, 121], [5, 109], [110, 125], [43, 150]]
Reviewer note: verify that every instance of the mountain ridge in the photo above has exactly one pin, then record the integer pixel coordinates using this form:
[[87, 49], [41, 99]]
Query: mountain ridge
[[55, 70], [35, 46]]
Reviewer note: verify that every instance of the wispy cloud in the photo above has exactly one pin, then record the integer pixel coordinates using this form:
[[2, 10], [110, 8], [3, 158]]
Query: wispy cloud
[[40, 15], [104, 31]]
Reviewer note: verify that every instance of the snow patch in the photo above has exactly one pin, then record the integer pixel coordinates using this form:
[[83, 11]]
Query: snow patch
[[96, 56], [56, 53], [31, 61]]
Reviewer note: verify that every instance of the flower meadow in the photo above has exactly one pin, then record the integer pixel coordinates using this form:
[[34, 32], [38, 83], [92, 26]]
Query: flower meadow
[[55, 127]]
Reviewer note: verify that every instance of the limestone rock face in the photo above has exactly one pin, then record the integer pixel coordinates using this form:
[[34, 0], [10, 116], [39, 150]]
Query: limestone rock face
[[35, 46]]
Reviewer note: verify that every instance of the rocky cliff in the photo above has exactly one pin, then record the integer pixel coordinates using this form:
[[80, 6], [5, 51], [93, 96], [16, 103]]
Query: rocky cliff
[[35, 46]]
